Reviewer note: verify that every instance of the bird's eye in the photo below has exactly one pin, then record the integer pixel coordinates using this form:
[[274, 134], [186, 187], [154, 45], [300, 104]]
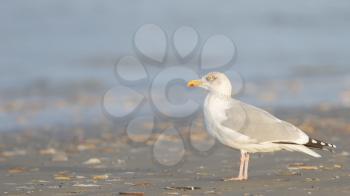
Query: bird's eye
[[211, 78]]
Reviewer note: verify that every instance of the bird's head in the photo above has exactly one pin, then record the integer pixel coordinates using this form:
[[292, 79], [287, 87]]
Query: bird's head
[[214, 82]]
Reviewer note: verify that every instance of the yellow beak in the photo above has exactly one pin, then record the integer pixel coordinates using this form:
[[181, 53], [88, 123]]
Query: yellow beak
[[194, 83]]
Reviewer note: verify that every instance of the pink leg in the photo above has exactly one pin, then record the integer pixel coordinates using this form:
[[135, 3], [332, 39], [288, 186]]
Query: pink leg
[[241, 169], [245, 176]]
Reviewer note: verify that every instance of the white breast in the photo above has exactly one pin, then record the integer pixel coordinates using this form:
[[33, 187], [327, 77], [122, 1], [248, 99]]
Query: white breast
[[214, 113]]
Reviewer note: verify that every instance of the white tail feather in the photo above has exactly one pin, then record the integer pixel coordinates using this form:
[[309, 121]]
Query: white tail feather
[[300, 148]]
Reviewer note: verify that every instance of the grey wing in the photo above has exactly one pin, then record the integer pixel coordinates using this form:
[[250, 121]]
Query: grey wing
[[260, 125]]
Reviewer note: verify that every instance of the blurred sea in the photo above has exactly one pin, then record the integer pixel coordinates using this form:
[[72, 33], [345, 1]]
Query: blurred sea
[[57, 57]]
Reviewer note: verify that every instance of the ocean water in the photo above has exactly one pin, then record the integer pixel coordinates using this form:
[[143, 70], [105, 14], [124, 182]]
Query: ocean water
[[57, 57]]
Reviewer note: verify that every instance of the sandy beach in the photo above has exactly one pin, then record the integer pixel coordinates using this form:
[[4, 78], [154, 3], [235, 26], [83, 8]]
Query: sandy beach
[[104, 163]]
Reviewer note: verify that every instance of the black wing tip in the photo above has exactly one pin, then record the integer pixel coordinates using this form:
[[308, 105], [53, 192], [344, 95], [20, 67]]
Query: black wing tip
[[317, 144]]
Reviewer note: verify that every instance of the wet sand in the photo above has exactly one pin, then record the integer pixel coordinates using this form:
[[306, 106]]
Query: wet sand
[[38, 162]]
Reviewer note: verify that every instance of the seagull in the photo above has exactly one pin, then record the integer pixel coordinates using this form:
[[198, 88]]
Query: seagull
[[245, 127]]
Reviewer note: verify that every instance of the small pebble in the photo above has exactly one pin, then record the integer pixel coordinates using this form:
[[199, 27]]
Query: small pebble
[[60, 157], [92, 161]]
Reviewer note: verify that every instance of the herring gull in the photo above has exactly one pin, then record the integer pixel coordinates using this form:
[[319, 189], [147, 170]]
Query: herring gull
[[248, 128]]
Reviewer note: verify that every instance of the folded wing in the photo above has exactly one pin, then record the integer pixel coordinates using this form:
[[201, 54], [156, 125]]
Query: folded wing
[[260, 125]]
